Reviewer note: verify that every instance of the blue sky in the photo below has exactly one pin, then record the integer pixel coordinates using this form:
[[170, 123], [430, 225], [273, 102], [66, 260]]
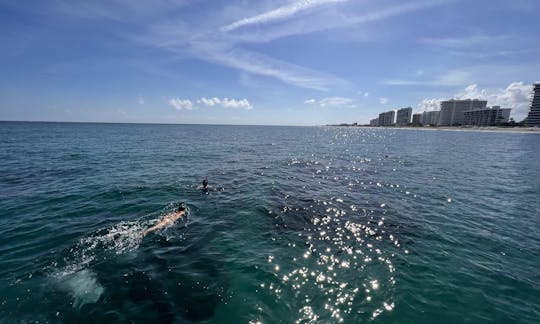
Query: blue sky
[[307, 62]]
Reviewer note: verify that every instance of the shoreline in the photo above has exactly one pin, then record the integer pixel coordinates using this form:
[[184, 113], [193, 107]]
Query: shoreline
[[488, 129]]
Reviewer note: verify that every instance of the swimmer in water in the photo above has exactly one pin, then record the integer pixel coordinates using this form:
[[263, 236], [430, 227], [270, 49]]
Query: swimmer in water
[[167, 220], [205, 184]]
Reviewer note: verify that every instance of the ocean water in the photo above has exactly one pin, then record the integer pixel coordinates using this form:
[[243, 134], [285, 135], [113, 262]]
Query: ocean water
[[304, 224]]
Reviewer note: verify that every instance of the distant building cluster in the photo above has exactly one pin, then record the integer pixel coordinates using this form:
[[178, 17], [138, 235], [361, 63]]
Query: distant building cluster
[[453, 112]]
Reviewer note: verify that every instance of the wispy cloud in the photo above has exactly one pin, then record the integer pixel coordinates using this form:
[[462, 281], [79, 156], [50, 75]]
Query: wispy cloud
[[260, 64], [383, 101], [467, 41], [118, 10], [395, 10], [278, 14], [333, 19], [213, 40], [331, 102], [225, 48], [449, 79]]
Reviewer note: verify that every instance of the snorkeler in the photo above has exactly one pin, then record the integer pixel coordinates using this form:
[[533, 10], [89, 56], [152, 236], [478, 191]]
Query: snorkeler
[[205, 184], [167, 220]]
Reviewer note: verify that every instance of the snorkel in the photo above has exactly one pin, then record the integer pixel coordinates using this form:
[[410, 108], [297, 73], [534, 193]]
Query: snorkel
[[182, 206]]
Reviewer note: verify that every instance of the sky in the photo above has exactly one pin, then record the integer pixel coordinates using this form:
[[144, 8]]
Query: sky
[[309, 62]]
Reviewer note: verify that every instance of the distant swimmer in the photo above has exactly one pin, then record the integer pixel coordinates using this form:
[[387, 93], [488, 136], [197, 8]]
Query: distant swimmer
[[206, 188], [205, 184], [167, 220]]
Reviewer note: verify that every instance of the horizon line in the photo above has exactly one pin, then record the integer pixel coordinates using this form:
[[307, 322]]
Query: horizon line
[[146, 123]]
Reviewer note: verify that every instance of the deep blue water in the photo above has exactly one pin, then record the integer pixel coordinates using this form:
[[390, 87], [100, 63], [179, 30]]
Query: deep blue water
[[307, 224]]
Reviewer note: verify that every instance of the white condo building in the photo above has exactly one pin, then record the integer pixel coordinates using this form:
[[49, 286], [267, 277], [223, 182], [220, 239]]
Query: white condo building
[[404, 116], [453, 111], [387, 118], [430, 118], [487, 116]]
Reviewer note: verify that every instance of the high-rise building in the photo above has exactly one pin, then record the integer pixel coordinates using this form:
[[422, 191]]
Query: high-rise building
[[487, 116], [404, 116], [452, 111], [533, 119], [374, 122], [417, 119], [430, 118], [387, 118]]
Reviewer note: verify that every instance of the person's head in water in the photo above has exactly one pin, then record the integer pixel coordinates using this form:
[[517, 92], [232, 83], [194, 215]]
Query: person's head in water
[[181, 206], [204, 183]]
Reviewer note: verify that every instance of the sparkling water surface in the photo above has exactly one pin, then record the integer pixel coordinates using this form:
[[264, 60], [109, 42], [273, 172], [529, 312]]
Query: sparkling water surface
[[303, 224]]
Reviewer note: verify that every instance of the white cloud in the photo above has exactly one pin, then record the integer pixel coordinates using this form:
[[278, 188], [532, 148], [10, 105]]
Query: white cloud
[[278, 14], [181, 104], [383, 101], [140, 100], [209, 101], [226, 103], [364, 94], [332, 102], [429, 105], [336, 102], [236, 104]]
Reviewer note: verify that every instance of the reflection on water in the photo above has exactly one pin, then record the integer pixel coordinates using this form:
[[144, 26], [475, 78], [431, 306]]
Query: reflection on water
[[340, 262]]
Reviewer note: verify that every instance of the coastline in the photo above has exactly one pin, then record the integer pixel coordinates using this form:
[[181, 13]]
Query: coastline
[[490, 129]]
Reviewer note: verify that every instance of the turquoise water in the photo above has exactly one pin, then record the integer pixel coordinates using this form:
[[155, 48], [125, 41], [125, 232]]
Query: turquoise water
[[305, 224]]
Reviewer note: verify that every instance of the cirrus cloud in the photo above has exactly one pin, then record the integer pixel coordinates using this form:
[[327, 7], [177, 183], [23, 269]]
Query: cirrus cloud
[[278, 14], [332, 102]]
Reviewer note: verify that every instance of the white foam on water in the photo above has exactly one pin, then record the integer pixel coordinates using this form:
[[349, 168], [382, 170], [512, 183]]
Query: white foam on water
[[83, 287], [75, 276], [77, 279], [121, 238]]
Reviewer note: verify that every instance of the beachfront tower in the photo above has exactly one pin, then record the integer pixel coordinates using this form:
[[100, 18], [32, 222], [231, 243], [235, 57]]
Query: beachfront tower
[[404, 116], [453, 111], [533, 119], [387, 118]]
